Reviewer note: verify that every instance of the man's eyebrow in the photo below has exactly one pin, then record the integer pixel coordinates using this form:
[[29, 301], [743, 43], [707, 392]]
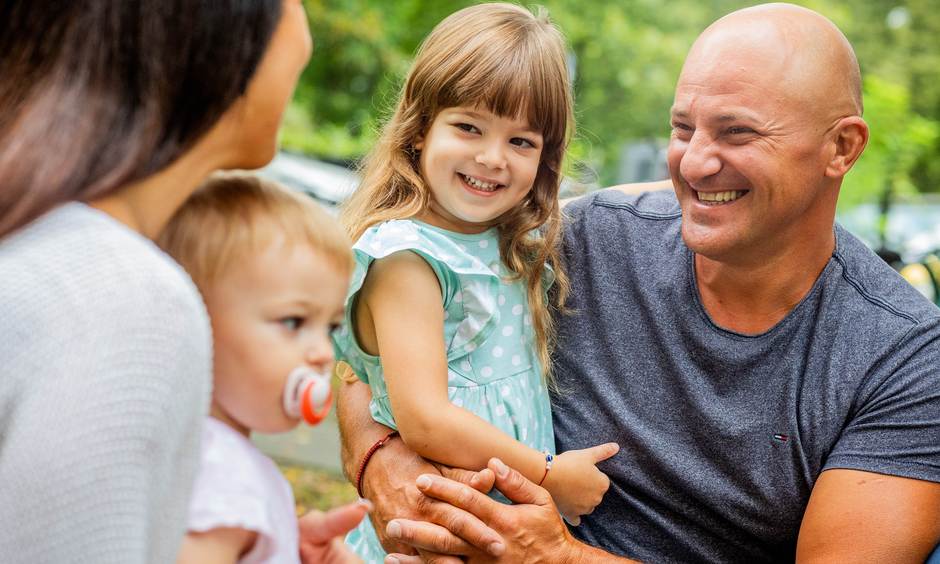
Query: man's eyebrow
[[721, 118]]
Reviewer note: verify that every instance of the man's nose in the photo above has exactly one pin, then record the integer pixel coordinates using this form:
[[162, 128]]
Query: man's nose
[[492, 155], [700, 158]]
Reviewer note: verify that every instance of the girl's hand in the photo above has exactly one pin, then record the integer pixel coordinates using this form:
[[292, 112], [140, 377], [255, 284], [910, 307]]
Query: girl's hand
[[574, 481]]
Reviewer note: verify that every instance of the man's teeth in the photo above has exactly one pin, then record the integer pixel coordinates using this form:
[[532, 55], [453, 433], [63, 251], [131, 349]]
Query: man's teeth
[[718, 197], [479, 184]]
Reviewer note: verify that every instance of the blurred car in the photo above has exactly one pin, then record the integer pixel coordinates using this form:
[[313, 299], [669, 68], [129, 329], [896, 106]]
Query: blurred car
[[328, 183], [911, 243], [912, 229]]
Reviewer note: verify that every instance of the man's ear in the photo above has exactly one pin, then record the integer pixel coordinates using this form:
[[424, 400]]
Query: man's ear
[[850, 135]]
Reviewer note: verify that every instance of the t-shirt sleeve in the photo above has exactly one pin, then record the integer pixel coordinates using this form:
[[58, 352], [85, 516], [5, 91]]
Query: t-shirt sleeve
[[895, 427]]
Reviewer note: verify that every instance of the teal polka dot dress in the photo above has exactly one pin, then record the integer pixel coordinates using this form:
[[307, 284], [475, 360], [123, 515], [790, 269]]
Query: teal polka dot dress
[[493, 368]]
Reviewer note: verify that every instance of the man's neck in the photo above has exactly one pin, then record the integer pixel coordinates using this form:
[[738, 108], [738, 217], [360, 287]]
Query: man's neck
[[750, 298]]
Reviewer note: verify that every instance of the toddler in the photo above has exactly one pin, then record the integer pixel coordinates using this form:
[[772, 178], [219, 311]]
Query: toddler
[[273, 268]]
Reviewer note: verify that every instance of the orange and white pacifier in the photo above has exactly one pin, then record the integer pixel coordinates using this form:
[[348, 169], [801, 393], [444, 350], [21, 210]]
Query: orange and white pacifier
[[307, 395]]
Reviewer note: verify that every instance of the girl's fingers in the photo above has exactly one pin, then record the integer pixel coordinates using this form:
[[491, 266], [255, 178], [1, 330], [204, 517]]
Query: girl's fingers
[[516, 487]]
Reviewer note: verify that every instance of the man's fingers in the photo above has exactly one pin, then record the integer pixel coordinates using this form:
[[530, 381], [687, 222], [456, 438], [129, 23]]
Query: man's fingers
[[396, 558], [435, 558], [426, 536], [425, 557], [516, 487], [318, 528], [602, 452], [481, 481]]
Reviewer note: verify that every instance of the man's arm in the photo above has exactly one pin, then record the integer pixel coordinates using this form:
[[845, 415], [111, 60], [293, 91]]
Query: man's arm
[[389, 482], [856, 516], [531, 528]]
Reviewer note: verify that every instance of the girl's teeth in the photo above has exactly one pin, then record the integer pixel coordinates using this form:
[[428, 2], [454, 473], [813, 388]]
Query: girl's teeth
[[719, 197], [479, 184]]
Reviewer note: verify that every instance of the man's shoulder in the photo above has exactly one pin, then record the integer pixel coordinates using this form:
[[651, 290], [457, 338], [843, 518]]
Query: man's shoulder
[[654, 205], [877, 287]]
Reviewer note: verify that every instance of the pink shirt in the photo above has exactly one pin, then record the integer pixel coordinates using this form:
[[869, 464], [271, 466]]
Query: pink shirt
[[238, 486]]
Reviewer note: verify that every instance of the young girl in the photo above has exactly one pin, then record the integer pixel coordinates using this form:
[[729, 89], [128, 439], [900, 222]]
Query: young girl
[[457, 222], [273, 269]]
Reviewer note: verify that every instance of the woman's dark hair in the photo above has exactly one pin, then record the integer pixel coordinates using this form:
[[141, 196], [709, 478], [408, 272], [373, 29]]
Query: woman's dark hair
[[95, 94]]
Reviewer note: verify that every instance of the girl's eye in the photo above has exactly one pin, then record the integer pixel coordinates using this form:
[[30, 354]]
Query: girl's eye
[[523, 143], [466, 127], [292, 323]]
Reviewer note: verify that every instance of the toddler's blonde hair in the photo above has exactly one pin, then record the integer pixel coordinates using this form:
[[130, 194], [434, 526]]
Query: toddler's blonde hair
[[233, 215]]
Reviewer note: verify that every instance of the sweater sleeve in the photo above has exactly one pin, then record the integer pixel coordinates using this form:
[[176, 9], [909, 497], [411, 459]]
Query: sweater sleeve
[[102, 391]]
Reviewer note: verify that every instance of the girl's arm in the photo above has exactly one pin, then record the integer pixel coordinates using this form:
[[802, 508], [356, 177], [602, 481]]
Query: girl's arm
[[216, 546], [402, 298], [399, 315]]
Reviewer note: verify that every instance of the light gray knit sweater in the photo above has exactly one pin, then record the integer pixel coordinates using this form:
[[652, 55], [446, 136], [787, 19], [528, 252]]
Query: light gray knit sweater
[[105, 375]]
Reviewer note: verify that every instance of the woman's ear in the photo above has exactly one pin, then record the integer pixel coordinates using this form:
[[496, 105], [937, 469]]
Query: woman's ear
[[850, 135]]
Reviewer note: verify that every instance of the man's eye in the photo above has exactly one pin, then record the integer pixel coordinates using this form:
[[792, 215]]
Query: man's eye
[[466, 127], [739, 130], [681, 126], [523, 143], [292, 323]]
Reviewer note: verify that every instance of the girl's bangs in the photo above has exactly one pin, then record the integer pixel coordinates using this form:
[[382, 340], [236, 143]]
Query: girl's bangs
[[521, 85]]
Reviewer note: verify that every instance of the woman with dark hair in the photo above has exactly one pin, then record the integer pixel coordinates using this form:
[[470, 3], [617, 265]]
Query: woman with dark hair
[[111, 113]]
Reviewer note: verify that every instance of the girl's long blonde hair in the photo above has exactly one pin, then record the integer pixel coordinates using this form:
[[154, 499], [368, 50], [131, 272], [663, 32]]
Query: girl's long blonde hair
[[512, 62]]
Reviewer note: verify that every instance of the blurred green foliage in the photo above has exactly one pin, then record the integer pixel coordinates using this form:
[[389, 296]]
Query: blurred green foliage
[[628, 55]]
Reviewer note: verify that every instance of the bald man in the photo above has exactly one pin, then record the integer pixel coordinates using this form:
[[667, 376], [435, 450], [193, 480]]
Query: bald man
[[773, 385]]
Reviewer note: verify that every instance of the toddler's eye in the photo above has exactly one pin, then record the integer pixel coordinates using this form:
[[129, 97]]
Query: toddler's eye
[[334, 327], [292, 323]]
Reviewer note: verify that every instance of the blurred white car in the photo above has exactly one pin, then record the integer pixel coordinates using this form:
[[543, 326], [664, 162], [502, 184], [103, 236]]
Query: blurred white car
[[325, 182]]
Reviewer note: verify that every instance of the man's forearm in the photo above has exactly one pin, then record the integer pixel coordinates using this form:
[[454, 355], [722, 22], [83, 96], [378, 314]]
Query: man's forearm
[[357, 429]]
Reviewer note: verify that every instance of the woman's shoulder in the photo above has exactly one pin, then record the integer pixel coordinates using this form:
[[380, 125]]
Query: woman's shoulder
[[77, 258], [75, 279]]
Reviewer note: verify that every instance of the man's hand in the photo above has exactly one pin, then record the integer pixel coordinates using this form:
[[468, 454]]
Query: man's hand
[[321, 534], [390, 484], [530, 531]]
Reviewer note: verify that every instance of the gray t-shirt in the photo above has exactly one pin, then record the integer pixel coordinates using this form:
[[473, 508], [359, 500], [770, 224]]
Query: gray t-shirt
[[723, 435]]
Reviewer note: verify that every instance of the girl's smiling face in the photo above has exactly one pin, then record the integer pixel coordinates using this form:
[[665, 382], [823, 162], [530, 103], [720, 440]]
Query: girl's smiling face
[[477, 166]]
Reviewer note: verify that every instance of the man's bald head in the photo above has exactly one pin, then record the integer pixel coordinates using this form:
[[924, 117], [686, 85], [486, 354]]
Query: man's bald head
[[803, 53], [766, 122]]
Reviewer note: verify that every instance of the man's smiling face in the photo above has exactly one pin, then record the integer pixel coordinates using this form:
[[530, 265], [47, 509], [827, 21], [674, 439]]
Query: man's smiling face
[[746, 154]]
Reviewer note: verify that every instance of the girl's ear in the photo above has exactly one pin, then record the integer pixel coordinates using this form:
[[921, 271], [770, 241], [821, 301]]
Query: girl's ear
[[419, 143]]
